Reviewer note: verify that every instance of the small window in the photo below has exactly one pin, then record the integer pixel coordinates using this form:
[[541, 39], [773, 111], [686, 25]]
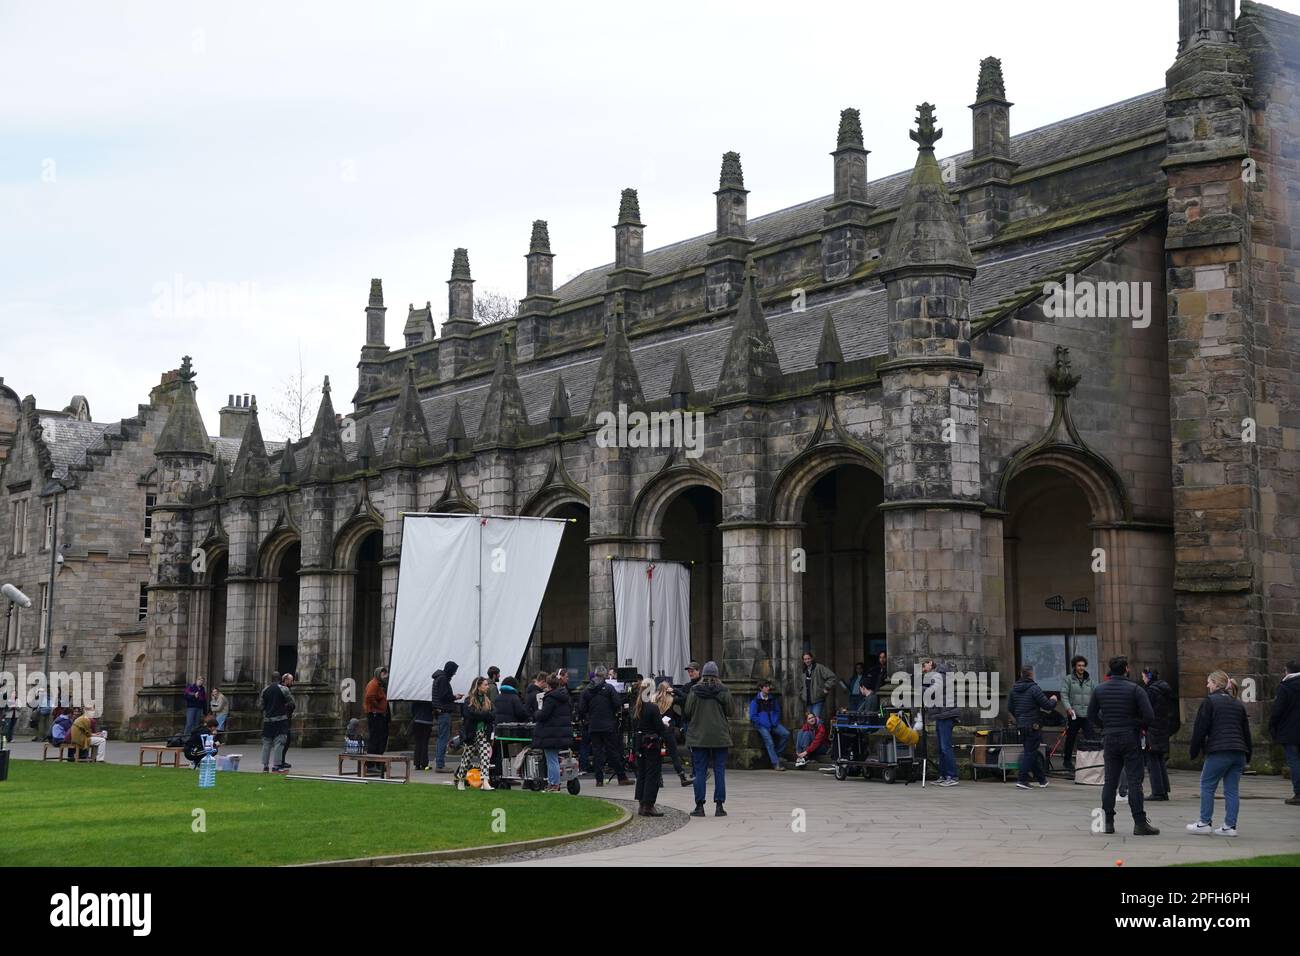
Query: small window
[[150, 500], [144, 602], [20, 527], [49, 527], [45, 617]]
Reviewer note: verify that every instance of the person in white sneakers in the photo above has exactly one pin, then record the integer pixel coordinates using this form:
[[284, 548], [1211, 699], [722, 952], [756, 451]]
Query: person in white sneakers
[[940, 702], [1222, 733]]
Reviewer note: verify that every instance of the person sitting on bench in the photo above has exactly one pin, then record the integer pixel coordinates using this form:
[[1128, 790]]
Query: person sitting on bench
[[812, 741], [80, 735], [61, 729]]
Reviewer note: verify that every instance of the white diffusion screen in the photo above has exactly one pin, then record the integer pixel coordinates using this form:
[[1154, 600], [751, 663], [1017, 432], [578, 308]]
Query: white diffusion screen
[[440, 617], [665, 598]]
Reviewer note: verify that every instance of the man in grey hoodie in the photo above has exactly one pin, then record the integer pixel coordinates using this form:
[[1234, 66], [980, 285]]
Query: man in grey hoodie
[[943, 714]]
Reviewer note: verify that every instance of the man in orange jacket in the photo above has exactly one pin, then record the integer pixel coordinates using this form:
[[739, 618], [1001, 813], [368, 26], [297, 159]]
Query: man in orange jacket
[[376, 705]]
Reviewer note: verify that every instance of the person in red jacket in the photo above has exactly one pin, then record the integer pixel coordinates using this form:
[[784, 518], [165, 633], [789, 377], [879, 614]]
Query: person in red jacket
[[813, 739], [376, 706]]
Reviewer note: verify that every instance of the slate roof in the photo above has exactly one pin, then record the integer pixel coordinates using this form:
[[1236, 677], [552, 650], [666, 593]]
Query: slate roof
[[1088, 131], [71, 440], [860, 323]]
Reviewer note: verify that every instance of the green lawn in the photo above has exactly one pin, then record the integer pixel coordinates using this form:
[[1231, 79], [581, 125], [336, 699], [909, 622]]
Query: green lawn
[[104, 815], [1286, 859]]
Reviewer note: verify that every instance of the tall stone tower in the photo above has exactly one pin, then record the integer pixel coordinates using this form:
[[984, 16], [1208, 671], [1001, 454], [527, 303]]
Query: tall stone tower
[[931, 402], [170, 644]]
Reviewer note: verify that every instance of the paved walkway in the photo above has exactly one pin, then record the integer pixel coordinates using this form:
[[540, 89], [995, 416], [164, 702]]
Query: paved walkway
[[853, 822]]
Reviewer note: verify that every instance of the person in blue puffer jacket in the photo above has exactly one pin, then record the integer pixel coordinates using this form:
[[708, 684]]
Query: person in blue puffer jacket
[[765, 715]]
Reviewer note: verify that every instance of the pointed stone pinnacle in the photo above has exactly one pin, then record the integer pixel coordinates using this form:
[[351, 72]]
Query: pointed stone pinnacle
[[376, 293], [629, 208], [990, 85], [850, 134], [682, 383], [460, 264], [541, 240], [732, 177], [828, 350]]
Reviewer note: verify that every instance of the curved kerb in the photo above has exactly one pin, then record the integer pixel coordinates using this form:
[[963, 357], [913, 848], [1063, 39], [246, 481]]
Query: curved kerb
[[491, 850]]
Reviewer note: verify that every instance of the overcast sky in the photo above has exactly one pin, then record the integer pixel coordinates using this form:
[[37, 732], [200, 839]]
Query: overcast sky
[[283, 154]]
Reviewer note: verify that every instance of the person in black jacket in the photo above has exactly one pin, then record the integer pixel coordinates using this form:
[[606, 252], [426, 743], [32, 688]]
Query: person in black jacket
[[1027, 703], [444, 705], [509, 705], [1222, 732], [535, 690], [1284, 724], [553, 730], [1164, 706], [599, 707], [1122, 709], [478, 715], [199, 741], [648, 721], [421, 731]]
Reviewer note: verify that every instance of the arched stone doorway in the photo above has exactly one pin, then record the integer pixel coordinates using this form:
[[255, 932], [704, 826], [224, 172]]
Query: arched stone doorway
[[215, 666], [690, 532], [561, 635], [843, 584], [366, 650], [1048, 553], [285, 655]]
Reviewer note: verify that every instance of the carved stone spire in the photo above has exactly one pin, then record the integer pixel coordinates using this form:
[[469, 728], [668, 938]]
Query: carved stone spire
[[844, 230], [682, 385], [455, 430], [990, 86], [850, 133], [184, 434], [219, 478], [365, 448], [829, 354], [616, 376], [325, 456], [408, 434], [252, 471], [559, 410], [504, 414], [750, 367], [928, 232]]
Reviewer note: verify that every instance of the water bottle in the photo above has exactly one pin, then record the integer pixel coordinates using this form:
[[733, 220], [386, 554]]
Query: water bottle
[[207, 765]]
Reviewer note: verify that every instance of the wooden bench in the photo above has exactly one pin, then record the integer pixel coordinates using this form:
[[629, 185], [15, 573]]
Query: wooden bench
[[386, 759], [66, 747], [158, 752]]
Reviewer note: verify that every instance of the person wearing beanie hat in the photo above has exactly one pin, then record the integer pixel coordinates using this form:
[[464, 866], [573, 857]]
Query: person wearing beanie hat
[[709, 737]]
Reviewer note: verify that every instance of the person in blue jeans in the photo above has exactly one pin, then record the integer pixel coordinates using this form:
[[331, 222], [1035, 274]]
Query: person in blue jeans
[[941, 709], [1222, 733], [445, 703], [765, 715], [1284, 724], [709, 737]]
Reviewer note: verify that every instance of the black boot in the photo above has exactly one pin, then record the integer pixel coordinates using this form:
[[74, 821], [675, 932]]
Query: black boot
[[698, 811], [649, 810], [1110, 824], [719, 812], [1143, 828]]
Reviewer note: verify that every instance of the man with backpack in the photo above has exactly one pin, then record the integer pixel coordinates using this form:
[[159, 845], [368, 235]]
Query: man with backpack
[[1122, 709]]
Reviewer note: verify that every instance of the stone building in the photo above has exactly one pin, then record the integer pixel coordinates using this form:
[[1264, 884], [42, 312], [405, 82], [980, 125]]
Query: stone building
[[1062, 364]]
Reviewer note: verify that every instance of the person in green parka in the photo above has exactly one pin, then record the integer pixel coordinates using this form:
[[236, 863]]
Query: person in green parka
[[1076, 694], [709, 737]]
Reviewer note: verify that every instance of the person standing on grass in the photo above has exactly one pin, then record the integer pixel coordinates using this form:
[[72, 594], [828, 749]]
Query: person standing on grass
[[765, 716], [196, 702], [477, 718], [943, 713], [1027, 703], [421, 731], [286, 685], [220, 705], [445, 703], [375, 703], [1284, 724], [1165, 707], [275, 725], [1121, 708], [650, 726], [553, 730], [1222, 733], [709, 737], [1076, 695]]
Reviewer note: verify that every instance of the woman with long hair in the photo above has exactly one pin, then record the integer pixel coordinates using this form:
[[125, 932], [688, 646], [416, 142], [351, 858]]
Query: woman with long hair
[[1222, 732], [664, 700], [477, 718], [651, 730]]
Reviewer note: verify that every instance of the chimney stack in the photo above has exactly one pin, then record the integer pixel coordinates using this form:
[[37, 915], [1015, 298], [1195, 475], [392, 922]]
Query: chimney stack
[[725, 268], [234, 417]]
